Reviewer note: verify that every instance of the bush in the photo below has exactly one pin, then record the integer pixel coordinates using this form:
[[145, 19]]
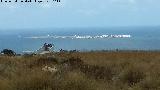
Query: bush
[[151, 82], [131, 76], [8, 52]]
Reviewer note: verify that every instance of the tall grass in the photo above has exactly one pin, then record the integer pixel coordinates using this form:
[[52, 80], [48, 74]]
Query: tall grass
[[82, 71]]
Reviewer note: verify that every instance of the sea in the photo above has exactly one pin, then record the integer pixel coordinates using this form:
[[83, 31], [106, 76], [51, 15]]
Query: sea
[[82, 39]]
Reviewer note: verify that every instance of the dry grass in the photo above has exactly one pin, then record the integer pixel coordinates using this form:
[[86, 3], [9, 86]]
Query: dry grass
[[82, 71]]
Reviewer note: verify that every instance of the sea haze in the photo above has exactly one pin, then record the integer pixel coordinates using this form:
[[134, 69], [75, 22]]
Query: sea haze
[[142, 38]]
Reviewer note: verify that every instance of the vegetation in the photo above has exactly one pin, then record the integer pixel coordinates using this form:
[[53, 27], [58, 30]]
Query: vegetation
[[8, 52], [82, 71]]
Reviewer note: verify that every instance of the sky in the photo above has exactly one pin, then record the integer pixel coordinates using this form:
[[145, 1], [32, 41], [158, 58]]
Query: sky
[[80, 13]]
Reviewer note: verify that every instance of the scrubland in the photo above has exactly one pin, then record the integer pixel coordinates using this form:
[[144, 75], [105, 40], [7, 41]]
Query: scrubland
[[82, 71]]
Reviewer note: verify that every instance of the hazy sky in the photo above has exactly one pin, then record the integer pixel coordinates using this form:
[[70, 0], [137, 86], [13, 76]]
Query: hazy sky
[[80, 13]]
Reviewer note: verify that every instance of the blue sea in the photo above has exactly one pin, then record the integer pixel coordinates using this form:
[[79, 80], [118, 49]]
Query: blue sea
[[142, 38]]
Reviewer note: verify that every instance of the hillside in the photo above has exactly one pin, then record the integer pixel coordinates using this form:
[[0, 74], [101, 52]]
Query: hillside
[[81, 71]]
